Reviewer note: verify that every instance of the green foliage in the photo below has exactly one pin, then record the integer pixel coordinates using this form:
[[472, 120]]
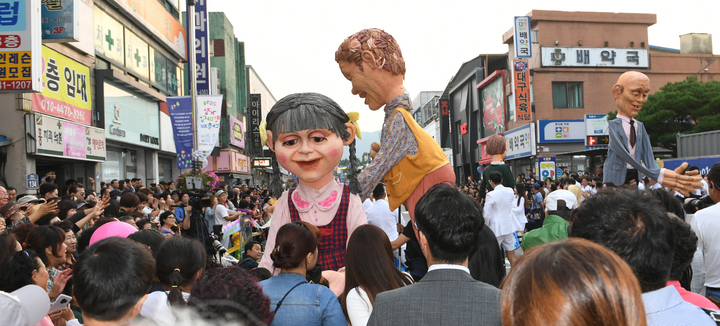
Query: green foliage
[[686, 107]]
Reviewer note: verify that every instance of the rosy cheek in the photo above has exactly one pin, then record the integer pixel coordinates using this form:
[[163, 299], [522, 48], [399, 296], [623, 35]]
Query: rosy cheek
[[281, 157], [335, 152]]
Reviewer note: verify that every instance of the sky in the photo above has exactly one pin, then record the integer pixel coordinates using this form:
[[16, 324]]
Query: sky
[[291, 44]]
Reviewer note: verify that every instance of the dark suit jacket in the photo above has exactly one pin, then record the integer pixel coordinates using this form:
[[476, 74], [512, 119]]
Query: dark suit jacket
[[442, 297]]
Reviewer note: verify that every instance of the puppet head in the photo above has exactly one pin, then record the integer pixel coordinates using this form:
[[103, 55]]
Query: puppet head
[[307, 132], [496, 145], [371, 59], [631, 92]]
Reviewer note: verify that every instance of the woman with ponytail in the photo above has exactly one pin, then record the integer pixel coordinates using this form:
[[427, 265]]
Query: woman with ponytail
[[293, 300], [178, 266], [307, 133]]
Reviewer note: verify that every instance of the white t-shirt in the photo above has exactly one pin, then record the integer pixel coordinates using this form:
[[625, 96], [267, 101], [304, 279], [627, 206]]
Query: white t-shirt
[[157, 308], [705, 225], [221, 212]]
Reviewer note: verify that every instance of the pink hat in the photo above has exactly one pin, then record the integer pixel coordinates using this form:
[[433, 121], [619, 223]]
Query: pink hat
[[112, 229]]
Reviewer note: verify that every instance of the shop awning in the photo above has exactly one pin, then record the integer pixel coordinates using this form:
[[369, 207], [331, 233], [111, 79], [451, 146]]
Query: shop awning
[[586, 152]]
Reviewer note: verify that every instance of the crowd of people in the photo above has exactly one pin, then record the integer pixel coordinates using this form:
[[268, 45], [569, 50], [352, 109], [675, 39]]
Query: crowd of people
[[603, 255]]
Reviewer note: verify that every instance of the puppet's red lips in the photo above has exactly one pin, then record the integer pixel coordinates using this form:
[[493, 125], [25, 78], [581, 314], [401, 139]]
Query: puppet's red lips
[[308, 164]]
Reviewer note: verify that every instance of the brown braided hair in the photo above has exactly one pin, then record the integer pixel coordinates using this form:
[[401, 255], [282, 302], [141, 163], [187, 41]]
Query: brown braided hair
[[382, 45]]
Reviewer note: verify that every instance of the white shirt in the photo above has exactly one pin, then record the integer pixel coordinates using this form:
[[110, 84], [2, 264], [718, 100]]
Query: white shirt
[[367, 204], [448, 266], [157, 308], [359, 307], [589, 189], [498, 211], [519, 212], [381, 216], [655, 186], [705, 225], [221, 212]]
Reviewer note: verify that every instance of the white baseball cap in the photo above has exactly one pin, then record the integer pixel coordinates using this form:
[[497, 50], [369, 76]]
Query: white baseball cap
[[560, 194], [25, 306]]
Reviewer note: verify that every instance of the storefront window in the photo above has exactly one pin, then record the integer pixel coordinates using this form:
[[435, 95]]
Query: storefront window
[[111, 168], [567, 95], [165, 169]]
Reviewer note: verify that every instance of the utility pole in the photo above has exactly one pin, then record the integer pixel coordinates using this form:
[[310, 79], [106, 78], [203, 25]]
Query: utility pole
[[192, 81]]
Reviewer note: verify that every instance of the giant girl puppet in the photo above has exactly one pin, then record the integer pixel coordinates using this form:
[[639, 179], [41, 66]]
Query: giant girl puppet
[[407, 160], [307, 132]]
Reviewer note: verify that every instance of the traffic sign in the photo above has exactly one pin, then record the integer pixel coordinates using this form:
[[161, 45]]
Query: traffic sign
[[32, 181], [598, 140]]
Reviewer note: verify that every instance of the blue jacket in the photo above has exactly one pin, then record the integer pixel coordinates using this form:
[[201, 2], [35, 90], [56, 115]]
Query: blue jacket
[[618, 155], [307, 304]]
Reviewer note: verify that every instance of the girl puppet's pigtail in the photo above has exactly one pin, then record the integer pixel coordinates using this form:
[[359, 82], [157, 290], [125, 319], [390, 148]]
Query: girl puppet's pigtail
[[354, 171], [276, 185]]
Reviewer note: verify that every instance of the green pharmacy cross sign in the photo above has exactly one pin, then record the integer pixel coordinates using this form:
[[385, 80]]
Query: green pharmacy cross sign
[[110, 40], [558, 57]]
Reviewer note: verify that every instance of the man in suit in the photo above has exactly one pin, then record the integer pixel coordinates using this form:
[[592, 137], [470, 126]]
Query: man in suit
[[499, 217], [448, 223], [630, 146]]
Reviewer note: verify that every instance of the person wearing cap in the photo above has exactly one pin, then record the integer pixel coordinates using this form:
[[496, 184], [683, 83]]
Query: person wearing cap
[[222, 215], [559, 203], [538, 209]]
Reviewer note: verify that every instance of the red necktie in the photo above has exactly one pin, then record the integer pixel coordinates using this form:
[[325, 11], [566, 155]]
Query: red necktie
[[633, 135]]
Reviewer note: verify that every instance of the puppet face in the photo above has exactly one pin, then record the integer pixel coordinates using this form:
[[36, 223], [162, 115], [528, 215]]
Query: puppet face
[[364, 83], [311, 154], [632, 94]]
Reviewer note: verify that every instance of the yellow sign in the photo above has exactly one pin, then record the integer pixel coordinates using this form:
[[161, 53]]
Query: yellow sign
[[65, 88]]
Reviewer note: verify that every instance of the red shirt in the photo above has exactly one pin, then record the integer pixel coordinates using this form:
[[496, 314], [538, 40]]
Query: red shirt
[[693, 298]]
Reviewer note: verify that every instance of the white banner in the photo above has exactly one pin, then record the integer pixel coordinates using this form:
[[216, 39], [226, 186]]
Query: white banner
[[555, 56], [208, 111]]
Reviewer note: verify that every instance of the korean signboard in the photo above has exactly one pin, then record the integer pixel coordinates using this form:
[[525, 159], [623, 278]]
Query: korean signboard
[[261, 162], [109, 39], [522, 91], [521, 142], [208, 122], [59, 138], [60, 21], [65, 88], [130, 118], [547, 168], [200, 48], [20, 46], [158, 20], [241, 163], [255, 117], [561, 131], [237, 132], [180, 109], [522, 37], [596, 130], [595, 57], [493, 102], [136, 55]]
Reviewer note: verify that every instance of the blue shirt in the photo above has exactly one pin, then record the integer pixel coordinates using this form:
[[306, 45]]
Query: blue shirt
[[537, 199], [179, 214], [666, 307], [210, 218], [307, 304]]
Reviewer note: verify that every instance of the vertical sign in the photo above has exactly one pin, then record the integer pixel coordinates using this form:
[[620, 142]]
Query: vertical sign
[[181, 118], [237, 132], [255, 117], [547, 168], [20, 42], [200, 44], [208, 122], [444, 123], [522, 91], [522, 37], [59, 21]]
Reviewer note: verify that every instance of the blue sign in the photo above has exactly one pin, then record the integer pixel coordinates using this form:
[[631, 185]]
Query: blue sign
[[704, 164], [200, 48], [181, 117], [13, 16], [33, 182], [559, 172], [521, 142], [58, 21]]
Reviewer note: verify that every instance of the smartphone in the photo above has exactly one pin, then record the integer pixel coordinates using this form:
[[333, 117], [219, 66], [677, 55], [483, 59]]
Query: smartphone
[[61, 302]]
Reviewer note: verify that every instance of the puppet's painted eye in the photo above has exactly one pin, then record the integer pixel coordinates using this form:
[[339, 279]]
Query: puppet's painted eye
[[290, 142], [319, 139]]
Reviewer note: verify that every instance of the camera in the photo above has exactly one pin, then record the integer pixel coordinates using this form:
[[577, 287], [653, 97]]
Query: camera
[[692, 205], [217, 245]]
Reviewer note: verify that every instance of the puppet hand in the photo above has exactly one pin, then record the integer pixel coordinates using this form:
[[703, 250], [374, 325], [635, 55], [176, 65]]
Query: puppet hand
[[684, 184], [375, 149]]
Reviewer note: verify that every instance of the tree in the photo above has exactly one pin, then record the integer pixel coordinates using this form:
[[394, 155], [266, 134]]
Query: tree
[[685, 107]]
